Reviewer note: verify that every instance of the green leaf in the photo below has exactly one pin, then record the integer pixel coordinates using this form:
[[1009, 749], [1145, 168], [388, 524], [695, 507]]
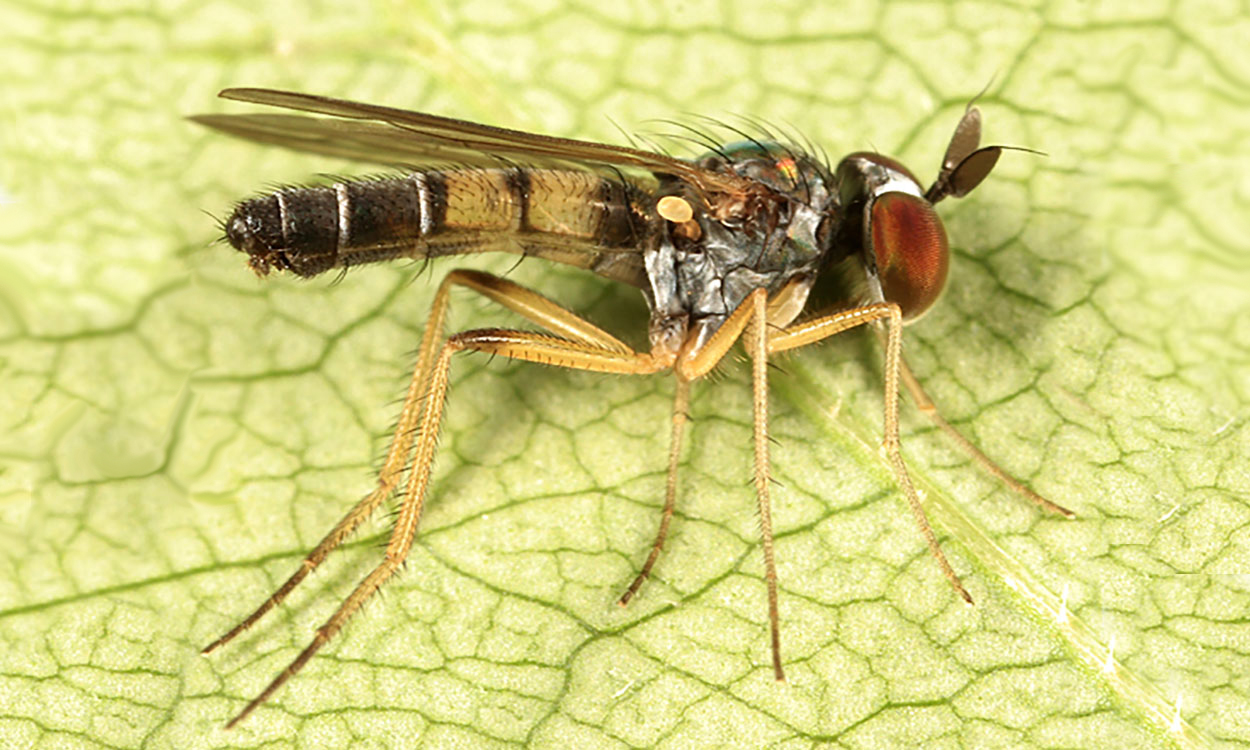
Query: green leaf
[[176, 434]]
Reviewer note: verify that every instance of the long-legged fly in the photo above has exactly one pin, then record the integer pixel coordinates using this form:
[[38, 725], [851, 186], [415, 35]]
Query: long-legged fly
[[725, 247]]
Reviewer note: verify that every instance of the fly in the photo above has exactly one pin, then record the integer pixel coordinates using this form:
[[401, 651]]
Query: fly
[[724, 248]]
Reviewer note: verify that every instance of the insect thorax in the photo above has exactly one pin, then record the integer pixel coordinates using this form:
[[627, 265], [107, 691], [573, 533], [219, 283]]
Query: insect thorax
[[781, 232]]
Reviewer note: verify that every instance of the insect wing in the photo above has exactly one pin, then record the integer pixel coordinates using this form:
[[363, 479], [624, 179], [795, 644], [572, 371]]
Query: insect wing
[[433, 138], [373, 142]]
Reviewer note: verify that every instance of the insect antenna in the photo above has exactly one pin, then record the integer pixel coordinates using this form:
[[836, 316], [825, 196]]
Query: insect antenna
[[972, 102], [1025, 149]]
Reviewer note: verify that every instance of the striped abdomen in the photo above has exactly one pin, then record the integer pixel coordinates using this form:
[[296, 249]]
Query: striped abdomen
[[569, 216]]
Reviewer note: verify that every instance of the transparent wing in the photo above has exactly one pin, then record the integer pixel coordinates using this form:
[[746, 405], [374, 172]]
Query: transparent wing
[[395, 136], [356, 140]]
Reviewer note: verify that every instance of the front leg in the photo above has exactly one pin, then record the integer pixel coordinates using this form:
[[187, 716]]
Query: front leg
[[822, 327], [750, 323]]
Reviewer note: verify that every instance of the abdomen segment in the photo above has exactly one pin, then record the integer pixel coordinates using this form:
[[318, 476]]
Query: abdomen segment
[[570, 216]]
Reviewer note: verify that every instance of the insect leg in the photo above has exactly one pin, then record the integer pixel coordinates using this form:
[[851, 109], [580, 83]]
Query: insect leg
[[822, 327], [926, 405], [757, 345], [525, 345], [536, 308], [388, 476], [525, 302], [681, 401], [749, 321], [559, 320]]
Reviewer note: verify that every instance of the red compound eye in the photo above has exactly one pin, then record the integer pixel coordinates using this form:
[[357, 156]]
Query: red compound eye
[[912, 255]]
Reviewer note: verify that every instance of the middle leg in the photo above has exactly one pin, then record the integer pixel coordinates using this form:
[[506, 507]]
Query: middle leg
[[681, 402]]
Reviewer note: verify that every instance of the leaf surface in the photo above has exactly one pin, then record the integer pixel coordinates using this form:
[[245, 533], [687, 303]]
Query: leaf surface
[[176, 434]]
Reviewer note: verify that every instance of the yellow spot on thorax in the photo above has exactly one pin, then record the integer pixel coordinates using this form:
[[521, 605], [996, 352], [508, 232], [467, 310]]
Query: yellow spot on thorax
[[674, 209]]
